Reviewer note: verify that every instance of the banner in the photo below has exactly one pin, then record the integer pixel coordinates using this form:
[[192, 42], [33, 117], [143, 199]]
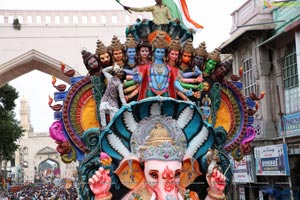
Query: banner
[[243, 170], [272, 160], [291, 123]]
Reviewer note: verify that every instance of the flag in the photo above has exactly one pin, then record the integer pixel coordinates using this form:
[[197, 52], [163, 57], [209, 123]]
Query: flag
[[179, 9]]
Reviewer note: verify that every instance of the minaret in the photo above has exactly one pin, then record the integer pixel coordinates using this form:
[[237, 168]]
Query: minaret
[[25, 117]]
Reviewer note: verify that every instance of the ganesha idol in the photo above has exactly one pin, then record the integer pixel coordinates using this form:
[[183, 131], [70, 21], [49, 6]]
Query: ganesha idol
[[161, 147]]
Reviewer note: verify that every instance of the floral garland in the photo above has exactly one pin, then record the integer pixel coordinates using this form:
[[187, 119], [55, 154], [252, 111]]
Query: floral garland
[[159, 93]]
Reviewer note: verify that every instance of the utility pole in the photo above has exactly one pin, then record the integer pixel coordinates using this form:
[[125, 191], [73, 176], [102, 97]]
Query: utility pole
[[281, 114]]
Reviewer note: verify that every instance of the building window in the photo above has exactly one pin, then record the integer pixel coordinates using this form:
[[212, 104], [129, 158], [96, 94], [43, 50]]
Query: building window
[[84, 19], [75, 19], [93, 19], [114, 19], [248, 77], [10, 19], [127, 19], [48, 19], [57, 20], [66, 19], [38, 19], [29, 19], [103, 19], [20, 18], [290, 80]]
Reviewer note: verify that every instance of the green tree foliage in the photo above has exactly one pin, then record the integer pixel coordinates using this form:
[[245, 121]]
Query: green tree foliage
[[10, 129]]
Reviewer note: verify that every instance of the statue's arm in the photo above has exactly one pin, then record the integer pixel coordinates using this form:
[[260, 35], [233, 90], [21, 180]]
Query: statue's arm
[[121, 94], [106, 72]]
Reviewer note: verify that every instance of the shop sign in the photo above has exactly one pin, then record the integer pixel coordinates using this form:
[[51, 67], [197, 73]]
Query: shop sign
[[272, 160], [291, 123], [243, 170]]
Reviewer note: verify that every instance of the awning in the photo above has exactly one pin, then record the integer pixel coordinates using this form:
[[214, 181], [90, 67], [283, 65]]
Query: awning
[[229, 45], [235, 37], [291, 27]]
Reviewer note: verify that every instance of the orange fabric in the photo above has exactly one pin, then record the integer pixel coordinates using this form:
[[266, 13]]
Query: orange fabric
[[187, 15]]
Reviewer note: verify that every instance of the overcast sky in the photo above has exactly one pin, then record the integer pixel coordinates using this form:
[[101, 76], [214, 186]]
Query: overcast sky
[[214, 15]]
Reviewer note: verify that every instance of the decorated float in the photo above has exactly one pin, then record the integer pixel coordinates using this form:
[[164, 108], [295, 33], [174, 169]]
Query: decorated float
[[155, 118]]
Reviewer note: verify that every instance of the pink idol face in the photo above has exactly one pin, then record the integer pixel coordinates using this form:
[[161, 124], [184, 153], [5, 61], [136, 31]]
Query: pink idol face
[[163, 176], [118, 55], [144, 52], [173, 55]]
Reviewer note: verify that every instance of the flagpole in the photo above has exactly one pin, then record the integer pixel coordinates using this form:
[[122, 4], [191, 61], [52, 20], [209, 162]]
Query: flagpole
[[118, 1]]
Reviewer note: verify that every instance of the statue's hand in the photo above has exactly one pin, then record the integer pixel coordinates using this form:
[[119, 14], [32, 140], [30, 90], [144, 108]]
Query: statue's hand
[[200, 86], [200, 79], [197, 71], [100, 183], [189, 92], [136, 77], [216, 182]]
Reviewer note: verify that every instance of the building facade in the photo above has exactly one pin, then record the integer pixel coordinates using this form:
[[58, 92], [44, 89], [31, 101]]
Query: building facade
[[37, 160], [265, 42]]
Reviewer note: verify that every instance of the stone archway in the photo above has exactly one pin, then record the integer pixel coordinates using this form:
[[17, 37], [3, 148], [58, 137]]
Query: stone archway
[[29, 61], [47, 165]]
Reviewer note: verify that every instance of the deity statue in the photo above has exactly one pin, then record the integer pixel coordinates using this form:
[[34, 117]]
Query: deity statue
[[103, 54], [117, 51], [200, 56], [130, 87], [161, 164], [131, 55], [143, 59], [144, 52], [174, 49], [173, 55], [212, 60], [220, 71], [91, 62], [190, 76], [158, 78], [205, 108]]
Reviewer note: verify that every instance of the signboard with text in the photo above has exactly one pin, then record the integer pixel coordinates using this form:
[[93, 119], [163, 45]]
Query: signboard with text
[[243, 170], [291, 123], [272, 160]]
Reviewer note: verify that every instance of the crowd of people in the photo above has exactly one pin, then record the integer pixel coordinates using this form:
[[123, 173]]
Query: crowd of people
[[43, 192]]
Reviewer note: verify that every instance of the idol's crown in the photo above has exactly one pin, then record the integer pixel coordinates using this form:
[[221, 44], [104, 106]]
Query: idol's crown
[[160, 146]]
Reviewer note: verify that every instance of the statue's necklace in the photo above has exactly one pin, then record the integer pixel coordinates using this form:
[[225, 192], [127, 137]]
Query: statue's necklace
[[159, 68]]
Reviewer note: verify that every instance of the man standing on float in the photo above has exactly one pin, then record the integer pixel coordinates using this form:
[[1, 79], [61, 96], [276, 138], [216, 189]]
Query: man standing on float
[[160, 12]]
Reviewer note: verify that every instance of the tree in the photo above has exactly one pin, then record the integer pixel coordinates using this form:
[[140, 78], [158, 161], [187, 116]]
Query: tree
[[10, 130]]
